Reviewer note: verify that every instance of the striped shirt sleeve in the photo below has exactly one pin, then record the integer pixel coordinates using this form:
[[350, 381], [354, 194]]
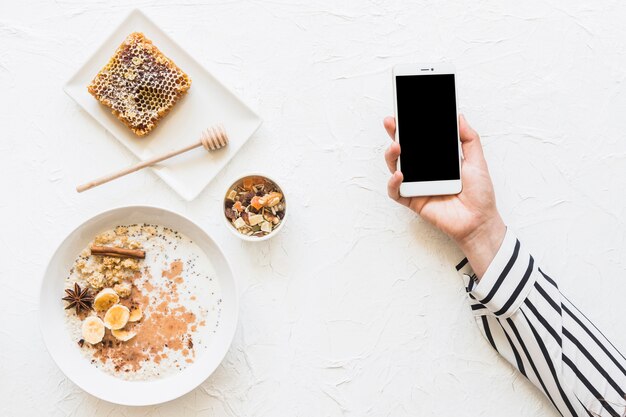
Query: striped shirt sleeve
[[526, 319]]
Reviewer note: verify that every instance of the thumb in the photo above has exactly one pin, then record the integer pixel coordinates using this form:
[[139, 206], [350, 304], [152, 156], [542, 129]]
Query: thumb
[[470, 141]]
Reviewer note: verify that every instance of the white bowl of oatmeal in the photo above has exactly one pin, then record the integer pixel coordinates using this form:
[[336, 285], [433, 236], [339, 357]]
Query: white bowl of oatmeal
[[138, 305], [254, 207]]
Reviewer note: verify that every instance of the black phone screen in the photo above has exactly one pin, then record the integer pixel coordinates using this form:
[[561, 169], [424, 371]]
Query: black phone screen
[[426, 107]]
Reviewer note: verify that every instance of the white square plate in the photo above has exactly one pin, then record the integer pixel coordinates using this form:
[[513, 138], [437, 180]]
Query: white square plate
[[207, 103]]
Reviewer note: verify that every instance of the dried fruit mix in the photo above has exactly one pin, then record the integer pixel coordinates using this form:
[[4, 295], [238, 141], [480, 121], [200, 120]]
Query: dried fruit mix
[[255, 206]]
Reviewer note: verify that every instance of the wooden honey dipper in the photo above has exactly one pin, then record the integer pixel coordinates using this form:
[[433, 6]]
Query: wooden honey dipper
[[212, 139]]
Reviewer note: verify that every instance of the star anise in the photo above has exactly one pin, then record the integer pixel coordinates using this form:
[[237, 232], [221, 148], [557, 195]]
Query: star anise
[[78, 298]]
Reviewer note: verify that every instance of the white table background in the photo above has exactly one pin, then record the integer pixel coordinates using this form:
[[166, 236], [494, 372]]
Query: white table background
[[355, 309]]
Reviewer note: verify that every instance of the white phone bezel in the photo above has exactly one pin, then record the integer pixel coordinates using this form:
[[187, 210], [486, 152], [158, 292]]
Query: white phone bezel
[[427, 188]]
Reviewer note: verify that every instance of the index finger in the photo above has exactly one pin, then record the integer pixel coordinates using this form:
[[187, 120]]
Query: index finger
[[390, 126]]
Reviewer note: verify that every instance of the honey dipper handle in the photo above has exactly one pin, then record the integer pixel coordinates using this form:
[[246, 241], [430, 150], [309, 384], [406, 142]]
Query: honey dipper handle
[[141, 165]]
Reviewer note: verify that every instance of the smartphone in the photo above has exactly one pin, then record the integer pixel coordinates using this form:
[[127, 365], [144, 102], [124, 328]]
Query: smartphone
[[427, 129]]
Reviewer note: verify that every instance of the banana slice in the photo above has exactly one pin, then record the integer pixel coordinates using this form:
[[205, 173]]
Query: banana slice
[[92, 330], [135, 314], [116, 317], [105, 299], [123, 335]]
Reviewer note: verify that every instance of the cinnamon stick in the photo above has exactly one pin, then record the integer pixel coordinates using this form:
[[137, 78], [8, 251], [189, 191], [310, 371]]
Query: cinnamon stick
[[117, 252]]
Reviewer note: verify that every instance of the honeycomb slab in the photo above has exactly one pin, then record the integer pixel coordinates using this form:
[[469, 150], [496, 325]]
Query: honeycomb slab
[[139, 84]]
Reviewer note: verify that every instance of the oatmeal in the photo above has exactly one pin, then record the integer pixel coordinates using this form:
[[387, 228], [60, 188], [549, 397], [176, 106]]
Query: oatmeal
[[107, 271], [142, 301]]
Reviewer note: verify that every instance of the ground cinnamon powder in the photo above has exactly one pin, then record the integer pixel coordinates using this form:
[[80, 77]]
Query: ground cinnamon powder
[[165, 326]]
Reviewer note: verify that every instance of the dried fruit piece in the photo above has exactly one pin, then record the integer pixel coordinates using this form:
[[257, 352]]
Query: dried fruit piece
[[247, 183], [255, 219], [266, 227], [239, 223], [230, 213], [256, 202], [272, 199], [247, 197], [237, 206], [267, 215]]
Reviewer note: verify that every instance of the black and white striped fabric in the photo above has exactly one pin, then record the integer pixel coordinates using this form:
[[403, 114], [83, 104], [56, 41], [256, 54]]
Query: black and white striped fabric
[[524, 316]]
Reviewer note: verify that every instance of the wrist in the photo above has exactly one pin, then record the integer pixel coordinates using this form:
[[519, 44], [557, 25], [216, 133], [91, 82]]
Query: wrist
[[482, 244]]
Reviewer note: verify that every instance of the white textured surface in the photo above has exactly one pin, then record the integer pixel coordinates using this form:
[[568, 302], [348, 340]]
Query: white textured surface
[[355, 308]]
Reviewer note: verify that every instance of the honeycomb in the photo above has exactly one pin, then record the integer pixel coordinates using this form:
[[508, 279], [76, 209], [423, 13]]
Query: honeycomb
[[139, 84]]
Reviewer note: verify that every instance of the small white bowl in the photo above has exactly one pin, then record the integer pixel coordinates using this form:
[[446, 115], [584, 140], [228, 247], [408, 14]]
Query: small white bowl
[[236, 232], [69, 357]]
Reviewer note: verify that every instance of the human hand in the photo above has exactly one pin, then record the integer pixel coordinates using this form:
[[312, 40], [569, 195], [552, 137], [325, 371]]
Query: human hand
[[471, 217]]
